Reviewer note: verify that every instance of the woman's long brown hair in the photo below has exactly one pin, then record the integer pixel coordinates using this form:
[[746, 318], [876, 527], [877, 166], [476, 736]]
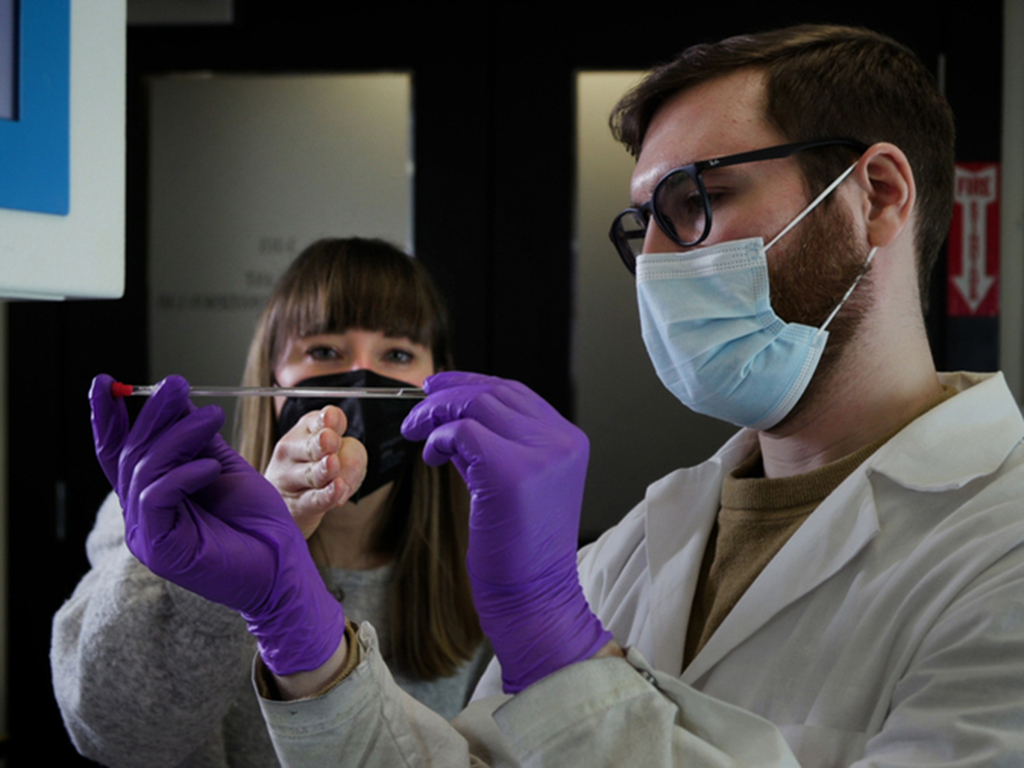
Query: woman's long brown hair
[[332, 286]]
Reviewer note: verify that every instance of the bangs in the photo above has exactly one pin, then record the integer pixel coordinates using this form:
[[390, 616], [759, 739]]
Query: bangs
[[336, 285]]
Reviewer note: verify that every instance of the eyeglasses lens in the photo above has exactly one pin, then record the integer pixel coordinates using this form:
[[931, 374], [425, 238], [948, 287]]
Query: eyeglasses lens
[[631, 231], [679, 202]]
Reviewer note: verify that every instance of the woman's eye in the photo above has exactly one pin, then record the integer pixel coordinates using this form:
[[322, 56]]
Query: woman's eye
[[399, 356], [323, 353]]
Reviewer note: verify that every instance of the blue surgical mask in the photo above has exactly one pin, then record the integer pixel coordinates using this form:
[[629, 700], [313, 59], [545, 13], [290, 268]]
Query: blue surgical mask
[[714, 339]]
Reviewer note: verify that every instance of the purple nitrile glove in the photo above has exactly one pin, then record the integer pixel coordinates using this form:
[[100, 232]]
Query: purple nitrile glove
[[524, 466], [197, 514]]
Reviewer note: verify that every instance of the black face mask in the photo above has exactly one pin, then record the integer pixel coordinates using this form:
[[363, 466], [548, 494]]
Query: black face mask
[[375, 422]]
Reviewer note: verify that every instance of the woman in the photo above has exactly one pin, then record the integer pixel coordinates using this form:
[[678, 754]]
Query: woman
[[346, 307], [148, 673]]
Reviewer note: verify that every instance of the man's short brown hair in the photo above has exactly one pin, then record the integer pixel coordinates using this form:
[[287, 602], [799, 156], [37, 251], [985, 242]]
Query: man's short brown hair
[[827, 82]]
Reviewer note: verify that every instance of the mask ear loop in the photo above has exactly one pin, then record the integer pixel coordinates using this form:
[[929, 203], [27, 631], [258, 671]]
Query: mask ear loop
[[863, 271], [814, 204], [800, 217]]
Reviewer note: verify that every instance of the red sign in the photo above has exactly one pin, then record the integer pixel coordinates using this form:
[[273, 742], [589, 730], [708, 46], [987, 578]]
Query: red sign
[[973, 289]]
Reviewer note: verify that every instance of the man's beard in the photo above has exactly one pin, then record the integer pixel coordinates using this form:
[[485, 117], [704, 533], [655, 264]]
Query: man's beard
[[809, 278]]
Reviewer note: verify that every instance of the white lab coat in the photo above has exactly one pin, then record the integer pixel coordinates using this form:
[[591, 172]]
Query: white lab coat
[[600, 712], [889, 630]]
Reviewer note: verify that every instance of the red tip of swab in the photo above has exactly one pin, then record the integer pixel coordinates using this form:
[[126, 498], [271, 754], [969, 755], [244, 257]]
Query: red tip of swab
[[117, 389]]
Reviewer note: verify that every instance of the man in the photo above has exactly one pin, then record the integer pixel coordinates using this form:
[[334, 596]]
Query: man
[[839, 585]]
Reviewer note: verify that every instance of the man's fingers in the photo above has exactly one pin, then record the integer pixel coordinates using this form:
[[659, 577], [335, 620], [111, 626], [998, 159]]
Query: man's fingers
[[154, 511], [512, 393], [464, 443], [448, 405], [448, 379], [168, 405], [507, 408], [178, 444], [109, 425]]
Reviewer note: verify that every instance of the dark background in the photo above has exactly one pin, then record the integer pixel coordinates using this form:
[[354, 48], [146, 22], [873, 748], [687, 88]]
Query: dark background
[[494, 127]]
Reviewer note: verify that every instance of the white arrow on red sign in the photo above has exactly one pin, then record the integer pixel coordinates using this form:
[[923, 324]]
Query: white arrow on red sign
[[975, 191]]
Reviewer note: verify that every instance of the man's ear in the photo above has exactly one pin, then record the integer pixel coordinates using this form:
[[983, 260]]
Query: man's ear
[[888, 192]]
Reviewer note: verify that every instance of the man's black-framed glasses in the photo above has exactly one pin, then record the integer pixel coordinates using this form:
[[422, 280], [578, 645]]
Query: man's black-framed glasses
[[680, 204]]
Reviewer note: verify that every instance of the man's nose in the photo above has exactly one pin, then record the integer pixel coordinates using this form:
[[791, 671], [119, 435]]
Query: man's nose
[[656, 241]]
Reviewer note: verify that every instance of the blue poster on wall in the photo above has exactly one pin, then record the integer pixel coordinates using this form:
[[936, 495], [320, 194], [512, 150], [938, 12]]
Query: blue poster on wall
[[34, 133]]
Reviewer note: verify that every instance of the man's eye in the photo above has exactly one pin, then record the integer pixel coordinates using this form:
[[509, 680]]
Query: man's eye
[[716, 198], [683, 207], [693, 204]]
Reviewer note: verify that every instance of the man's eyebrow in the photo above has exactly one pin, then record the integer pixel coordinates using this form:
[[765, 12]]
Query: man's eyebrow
[[646, 192]]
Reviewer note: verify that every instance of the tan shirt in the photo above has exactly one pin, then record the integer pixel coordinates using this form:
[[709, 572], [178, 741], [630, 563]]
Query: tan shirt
[[757, 518]]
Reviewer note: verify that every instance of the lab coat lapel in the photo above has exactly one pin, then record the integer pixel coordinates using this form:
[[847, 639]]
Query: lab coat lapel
[[681, 510], [848, 519], [833, 535]]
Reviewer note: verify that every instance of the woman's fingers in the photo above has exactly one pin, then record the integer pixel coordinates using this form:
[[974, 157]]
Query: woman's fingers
[[352, 462], [345, 471], [315, 469], [301, 459]]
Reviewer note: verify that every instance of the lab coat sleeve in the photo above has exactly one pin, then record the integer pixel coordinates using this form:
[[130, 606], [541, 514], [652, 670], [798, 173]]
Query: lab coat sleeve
[[143, 670], [602, 712]]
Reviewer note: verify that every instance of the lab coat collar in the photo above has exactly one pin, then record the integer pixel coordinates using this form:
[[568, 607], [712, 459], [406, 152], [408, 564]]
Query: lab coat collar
[[983, 421], [682, 508]]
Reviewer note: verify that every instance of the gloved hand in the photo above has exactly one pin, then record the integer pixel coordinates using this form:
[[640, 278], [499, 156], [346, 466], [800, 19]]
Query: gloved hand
[[524, 466], [197, 514]]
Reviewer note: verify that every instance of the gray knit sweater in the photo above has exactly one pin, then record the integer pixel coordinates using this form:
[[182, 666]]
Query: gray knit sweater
[[149, 674]]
